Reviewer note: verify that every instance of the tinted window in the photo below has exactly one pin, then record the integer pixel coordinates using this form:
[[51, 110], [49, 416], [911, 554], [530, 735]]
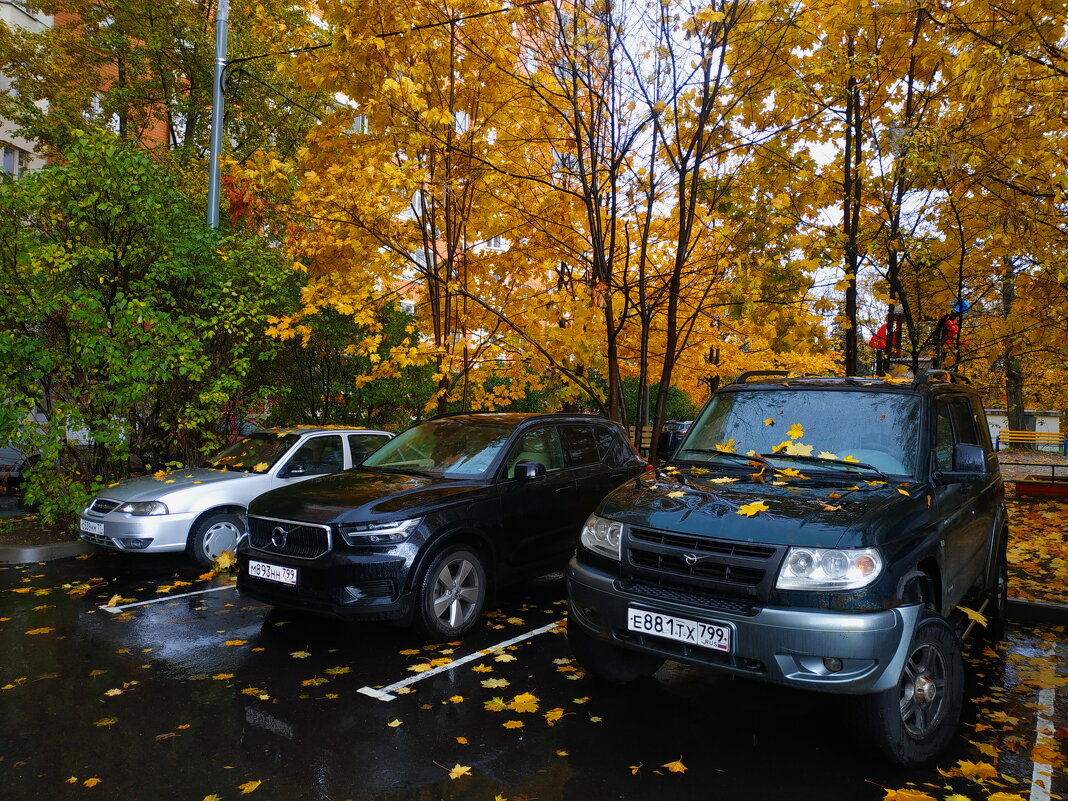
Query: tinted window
[[614, 449], [943, 449], [580, 444], [360, 445], [446, 446], [254, 455], [540, 445], [318, 456], [963, 422]]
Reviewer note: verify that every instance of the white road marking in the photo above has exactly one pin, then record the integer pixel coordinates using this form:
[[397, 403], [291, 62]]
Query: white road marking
[[117, 609], [386, 693], [1042, 774]]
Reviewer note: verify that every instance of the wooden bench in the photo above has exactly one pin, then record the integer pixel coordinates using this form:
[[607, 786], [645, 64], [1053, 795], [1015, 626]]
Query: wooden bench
[[1033, 438]]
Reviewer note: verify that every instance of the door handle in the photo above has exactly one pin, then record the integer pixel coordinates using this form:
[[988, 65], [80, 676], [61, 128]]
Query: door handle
[[561, 489]]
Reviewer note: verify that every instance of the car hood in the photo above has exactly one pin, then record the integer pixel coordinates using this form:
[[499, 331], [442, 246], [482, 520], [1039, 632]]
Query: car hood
[[811, 513], [162, 485], [363, 495]]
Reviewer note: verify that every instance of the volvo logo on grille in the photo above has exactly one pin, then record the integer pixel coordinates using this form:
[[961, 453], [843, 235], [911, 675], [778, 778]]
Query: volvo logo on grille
[[278, 537]]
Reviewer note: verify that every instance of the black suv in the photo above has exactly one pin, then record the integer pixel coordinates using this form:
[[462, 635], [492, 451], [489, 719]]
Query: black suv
[[419, 531], [813, 532]]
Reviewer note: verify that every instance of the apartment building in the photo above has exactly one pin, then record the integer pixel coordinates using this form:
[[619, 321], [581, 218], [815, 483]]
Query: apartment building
[[17, 154]]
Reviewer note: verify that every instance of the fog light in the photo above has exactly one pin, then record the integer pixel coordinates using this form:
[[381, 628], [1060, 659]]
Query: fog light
[[832, 663], [134, 543]]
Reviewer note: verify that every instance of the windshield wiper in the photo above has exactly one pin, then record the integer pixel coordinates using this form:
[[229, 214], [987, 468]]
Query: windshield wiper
[[817, 460], [716, 452], [403, 471]]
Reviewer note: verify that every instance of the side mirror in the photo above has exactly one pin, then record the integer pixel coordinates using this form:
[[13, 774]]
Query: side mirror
[[667, 443], [526, 469], [294, 470], [969, 459]]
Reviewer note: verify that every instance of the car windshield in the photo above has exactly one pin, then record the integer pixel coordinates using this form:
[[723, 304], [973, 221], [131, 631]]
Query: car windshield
[[254, 454], [836, 427], [445, 447]]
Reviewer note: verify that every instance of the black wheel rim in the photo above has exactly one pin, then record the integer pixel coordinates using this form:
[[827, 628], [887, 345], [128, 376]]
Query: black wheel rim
[[456, 592], [924, 691]]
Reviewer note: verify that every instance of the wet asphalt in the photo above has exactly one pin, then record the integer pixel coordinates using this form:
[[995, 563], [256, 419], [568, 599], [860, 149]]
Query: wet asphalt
[[184, 690]]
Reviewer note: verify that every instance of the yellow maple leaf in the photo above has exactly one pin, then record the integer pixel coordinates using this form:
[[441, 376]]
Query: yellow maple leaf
[[394, 723], [790, 472], [524, 702], [722, 480], [72, 780], [976, 771], [456, 699], [496, 704], [796, 431], [554, 715], [459, 770], [212, 797], [223, 676], [300, 654], [248, 787], [850, 458], [750, 509], [973, 615], [483, 668], [781, 446], [797, 449], [727, 447], [461, 740], [826, 455], [513, 724], [769, 421], [1001, 797], [260, 467], [904, 492], [676, 494], [906, 794], [336, 671], [104, 722], [492, 684], [42, 630], [93, 782], [422, 667], [236, 642], [409, 652], [675, 767]]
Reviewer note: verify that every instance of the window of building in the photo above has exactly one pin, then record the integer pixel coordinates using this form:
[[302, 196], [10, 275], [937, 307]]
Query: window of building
[[13, 160]]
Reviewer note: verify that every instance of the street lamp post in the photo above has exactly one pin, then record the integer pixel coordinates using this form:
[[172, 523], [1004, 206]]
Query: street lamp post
[[222, 18]]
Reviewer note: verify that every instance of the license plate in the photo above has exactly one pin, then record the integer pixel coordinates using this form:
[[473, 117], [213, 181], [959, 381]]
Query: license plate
[[283, 575], [90, 527], [694, 632]]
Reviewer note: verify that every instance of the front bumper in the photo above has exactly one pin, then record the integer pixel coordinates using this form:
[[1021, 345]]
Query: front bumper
[[778, 645], [345, 586], [167, 533]]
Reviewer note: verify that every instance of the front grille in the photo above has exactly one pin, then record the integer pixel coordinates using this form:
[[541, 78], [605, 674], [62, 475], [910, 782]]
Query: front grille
[[691, 598], [714, 569], [288, 537], [98, 539], [102, 506]]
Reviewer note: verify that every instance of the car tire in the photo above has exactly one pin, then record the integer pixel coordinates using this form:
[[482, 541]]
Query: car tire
[[213, 534], [452, 593], [998, 597], [608, 662], [913, 723]]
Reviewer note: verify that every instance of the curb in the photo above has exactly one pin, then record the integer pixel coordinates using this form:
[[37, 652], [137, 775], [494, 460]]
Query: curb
[[21, 555], [1036, 612]]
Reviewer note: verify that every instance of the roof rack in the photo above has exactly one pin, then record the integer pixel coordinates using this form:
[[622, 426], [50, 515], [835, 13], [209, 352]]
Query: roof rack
[[948, 376], [744, 377]]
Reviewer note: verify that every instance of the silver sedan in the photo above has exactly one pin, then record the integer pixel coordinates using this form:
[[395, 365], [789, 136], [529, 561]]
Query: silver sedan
[[202, 510]]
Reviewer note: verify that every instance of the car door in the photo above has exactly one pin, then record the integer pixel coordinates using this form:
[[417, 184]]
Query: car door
[[537, 513], [595, 466], [316, 456], [960, 505]]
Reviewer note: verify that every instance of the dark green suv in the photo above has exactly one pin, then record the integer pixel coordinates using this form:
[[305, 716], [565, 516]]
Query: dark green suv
[[820, 533]]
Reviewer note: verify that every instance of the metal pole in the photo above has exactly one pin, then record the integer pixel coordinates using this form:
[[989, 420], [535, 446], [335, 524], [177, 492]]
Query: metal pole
[[222, 19]]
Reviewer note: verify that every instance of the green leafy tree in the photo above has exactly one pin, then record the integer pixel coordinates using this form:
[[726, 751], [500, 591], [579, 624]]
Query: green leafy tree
[[126, 324]]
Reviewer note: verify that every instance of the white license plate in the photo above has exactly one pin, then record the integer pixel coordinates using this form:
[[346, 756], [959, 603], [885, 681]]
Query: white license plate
[[90, 527], [694, 632], [283, 575]]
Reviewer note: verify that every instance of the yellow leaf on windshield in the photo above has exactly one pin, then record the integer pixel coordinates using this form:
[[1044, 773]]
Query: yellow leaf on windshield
[[750, 509], [796, 431], [826, 455], [722, 480], [850, 458], [797, 449], [676, 494], [769, 422], [727, 447]]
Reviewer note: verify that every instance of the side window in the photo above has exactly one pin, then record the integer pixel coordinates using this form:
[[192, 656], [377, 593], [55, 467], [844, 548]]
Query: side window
[[964, 422], [580, 445], [363, 445], [540, 445], [318, 456], [943, 449], [613, 447]]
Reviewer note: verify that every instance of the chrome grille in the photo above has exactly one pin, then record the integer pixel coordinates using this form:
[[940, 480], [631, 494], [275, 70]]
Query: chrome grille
[[300, 540], [102, 506]]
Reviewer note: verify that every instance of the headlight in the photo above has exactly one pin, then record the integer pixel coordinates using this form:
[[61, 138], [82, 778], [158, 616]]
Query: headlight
[[829, 569], [378, 533], [602, 536], [142, 508]]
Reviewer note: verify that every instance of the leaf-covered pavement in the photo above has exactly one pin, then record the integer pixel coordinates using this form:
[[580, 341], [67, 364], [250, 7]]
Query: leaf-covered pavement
[[209, 697]]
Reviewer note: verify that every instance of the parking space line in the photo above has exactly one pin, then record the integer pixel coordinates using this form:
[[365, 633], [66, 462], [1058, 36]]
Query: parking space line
[[386, 693], [117, 609], [1042, 774]]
